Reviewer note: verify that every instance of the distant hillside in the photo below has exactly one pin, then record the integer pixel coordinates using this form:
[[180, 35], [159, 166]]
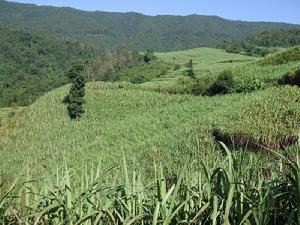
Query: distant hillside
[[265, 42], [31, 64], [162, 33]]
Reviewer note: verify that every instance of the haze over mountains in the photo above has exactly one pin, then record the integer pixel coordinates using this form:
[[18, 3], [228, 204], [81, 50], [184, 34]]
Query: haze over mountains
[[162, 33]]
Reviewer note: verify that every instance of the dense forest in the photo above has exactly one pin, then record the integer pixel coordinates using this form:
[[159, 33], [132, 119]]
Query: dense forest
[[264, 43], [32, 64], [161, 33]]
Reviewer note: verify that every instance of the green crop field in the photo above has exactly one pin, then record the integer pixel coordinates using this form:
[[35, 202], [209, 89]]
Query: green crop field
[[206, 62], [139, 156], [205, 59]]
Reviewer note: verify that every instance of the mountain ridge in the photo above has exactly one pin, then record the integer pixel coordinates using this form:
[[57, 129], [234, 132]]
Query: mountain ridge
[[138, 31]]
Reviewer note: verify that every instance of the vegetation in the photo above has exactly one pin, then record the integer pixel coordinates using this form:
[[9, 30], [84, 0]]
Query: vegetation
[[223, 194], [9, 117], [32, 64], [224, 84], [141, 123], [291, 78], [290, 55], [150, 147], [248, 73], [264, 43], [190, 70], [160, 33], [149, 56], [75, 98]]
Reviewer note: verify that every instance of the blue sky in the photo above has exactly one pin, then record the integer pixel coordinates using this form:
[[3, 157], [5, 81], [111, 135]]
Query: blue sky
[[250, 10]]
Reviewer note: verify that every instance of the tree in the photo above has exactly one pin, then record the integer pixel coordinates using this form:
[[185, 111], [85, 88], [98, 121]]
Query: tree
[[190, 69], [75, 99]]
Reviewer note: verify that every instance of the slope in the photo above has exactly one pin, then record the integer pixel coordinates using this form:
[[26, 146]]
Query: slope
[[144, 125]]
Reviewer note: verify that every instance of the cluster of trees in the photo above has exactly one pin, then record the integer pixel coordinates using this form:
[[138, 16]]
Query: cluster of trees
[[110, 67], [264, 43], [125, 64], [32, 64]]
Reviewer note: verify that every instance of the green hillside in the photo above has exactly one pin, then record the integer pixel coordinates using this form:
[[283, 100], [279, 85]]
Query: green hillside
[[145, 126], [264, 43], [122, 118], [138, 156], [162, 33], [249, 73], [32, 64], [207, 63]]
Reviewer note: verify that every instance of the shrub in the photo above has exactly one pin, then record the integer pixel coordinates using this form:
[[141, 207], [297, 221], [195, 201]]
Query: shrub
[[149, 56], [194, 86], [163, 71], [138, 79], [177, 67], [291, 78], [223, 85], [251, 85]]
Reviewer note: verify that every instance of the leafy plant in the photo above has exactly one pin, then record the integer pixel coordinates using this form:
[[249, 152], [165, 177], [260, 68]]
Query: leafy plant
[[224, 83], [291, 78]]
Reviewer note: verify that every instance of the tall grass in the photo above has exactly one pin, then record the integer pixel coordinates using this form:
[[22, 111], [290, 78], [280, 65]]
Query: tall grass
[[224, 194]]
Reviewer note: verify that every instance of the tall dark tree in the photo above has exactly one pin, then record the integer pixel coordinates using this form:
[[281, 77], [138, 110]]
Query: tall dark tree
[[75, 99], [190, 69]]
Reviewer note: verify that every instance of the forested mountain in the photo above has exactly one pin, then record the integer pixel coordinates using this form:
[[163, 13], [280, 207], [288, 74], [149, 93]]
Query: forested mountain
[[31, 64], [162, 33], [264, 43]]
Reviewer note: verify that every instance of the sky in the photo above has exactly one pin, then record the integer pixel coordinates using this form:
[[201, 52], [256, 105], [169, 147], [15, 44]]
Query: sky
[[248, 10]]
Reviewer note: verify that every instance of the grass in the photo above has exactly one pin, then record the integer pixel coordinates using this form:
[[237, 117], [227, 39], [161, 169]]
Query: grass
[[225, 194], [208, 63], [145, 125], [9, 118], [204, 59], [268, 118]]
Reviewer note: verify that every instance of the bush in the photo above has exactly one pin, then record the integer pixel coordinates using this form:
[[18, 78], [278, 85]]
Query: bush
[[251, 85], [163, 71], [138, 79], [149, 56], [177, 67], [194, 86], [223, 85], [291, 78]]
